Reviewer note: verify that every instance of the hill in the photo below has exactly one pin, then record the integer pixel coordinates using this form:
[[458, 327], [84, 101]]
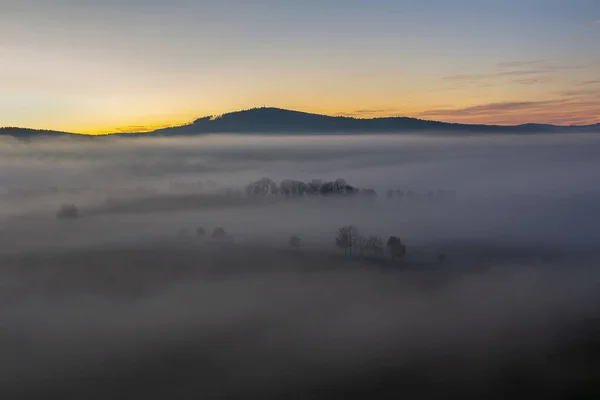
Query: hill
[[269, 120], [276, 120], [25, 133]]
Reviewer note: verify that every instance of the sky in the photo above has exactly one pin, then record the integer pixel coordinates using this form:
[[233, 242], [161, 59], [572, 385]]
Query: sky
[[98, 66]]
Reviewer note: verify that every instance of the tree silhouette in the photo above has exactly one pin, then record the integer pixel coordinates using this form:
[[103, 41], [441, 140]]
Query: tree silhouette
[[313, 187], [360, 243], [338, 187], [374, 245], [291, 188], [397, 248], [346, 239], [262, 187], [200, 232]]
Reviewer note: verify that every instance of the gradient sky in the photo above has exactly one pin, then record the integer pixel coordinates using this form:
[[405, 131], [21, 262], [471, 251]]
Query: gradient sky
[[123, 65]]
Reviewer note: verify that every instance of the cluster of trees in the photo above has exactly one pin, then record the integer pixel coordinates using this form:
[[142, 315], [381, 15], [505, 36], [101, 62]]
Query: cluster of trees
[[218, 234], [353, 242], [294, 188], [348, 238]]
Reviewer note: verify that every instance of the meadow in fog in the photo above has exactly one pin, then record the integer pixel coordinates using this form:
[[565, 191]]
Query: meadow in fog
[[535, 188], [126, 299]]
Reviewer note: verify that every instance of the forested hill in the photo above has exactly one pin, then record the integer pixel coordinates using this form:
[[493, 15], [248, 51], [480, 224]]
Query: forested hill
[[268, 120], [276, 120], [24, 133]]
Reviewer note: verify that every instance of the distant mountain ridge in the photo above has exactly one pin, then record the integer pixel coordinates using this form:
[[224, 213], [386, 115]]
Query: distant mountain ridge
[[270, 120], [24, 132], [27, 133], [276, 120]]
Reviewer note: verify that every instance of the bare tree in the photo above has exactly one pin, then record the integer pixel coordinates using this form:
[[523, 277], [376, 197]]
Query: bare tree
[[292, 188], [343, 239], [262, 187], [397, 248], [374, 245], [361, 243], [346, 238], [314, 187], [295, 242]]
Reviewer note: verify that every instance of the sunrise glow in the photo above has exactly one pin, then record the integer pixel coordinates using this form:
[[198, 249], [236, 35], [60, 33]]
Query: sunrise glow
[[94, 67]]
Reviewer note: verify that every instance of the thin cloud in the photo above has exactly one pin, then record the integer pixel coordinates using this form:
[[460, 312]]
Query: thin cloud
[[487, 108], [470, 77], [566, 111], [586, 83], [581, 92], [514, 64], [532, 81], [516, 69]]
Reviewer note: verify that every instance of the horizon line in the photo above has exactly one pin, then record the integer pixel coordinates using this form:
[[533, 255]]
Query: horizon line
[[151, 129]]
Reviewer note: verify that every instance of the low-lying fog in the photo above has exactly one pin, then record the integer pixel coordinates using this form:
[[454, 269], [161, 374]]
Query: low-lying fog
[[126, 302]]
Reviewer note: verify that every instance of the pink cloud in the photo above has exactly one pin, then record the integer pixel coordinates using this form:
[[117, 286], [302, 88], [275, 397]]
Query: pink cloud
[[564, 111]]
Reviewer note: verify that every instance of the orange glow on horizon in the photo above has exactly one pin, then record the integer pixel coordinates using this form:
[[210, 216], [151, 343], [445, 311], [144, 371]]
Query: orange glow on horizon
[[124, 66], [507, 119], [556, 114]]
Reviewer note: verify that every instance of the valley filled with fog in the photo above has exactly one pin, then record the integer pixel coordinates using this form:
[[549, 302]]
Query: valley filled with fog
[[131, 292]]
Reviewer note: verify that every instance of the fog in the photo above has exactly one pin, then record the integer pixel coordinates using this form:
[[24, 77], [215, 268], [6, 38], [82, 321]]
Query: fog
[[125, 301]]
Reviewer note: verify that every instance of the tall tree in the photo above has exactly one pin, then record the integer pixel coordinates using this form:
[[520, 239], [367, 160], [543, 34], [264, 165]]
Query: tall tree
[[346, 238], [361, 244], [396, 247], [374, 245]]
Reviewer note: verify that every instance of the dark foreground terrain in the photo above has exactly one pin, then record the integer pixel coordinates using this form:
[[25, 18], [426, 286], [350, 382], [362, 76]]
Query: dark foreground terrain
[[187, 320]]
